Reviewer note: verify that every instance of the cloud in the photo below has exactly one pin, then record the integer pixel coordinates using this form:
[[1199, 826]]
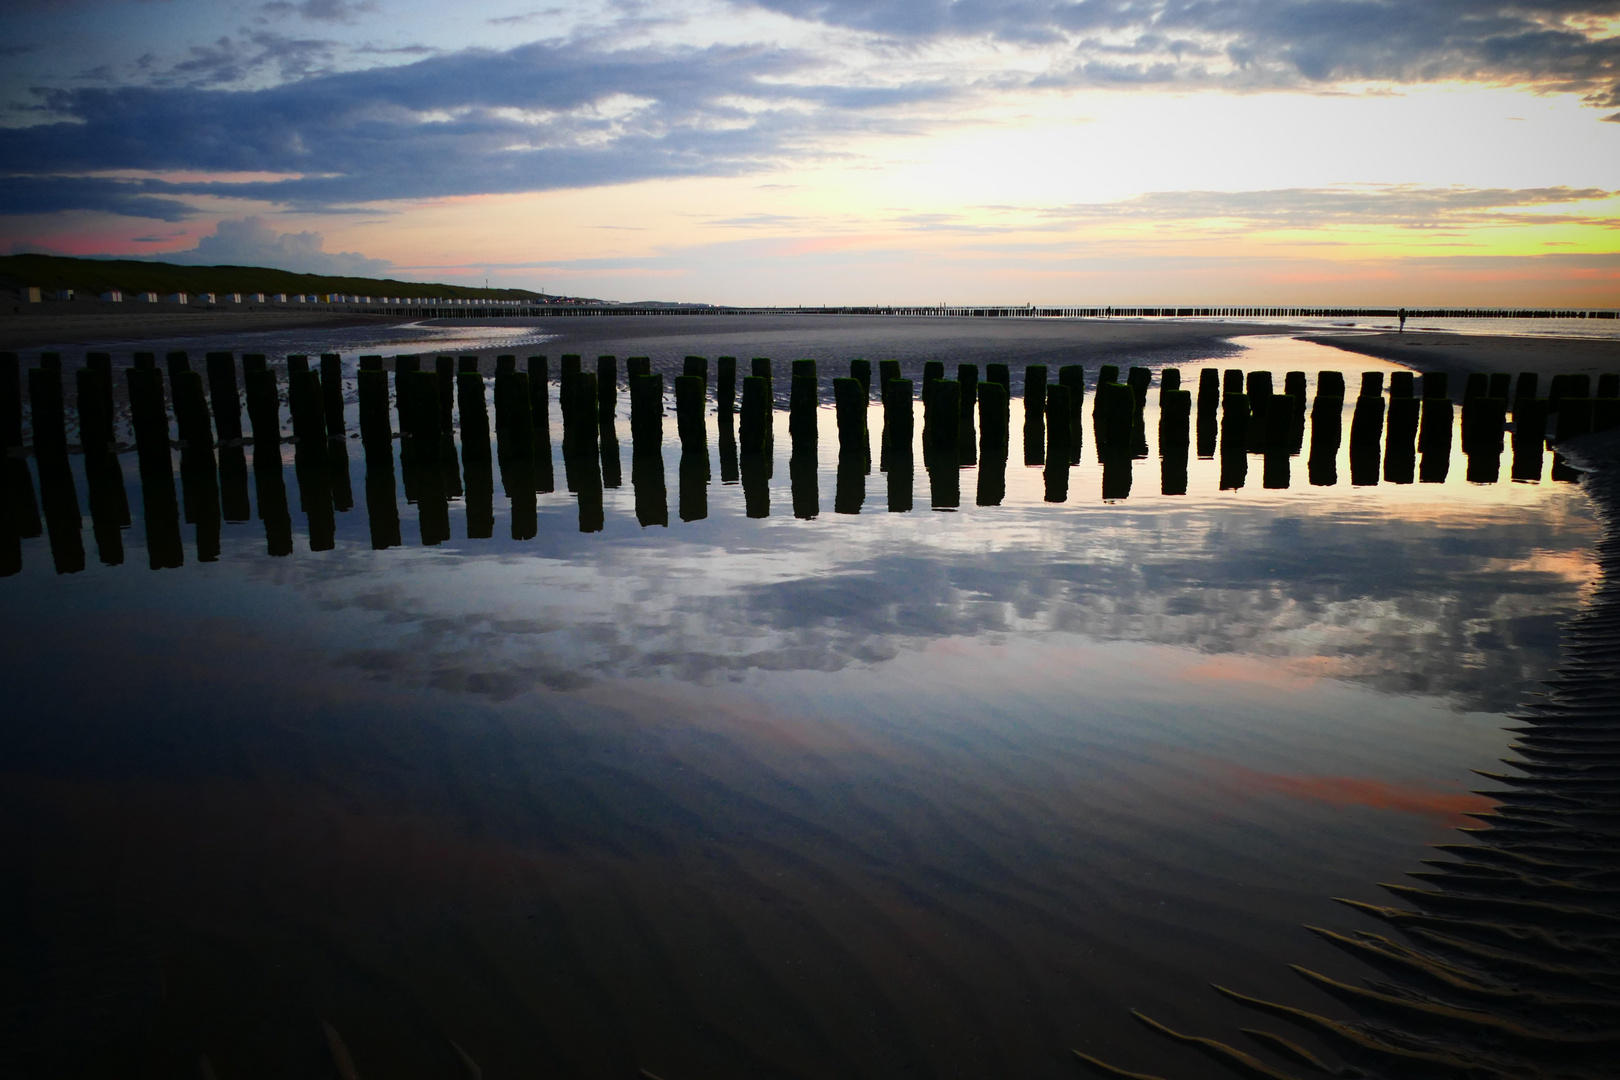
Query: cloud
[[1554, 44], [332, 11], [1407, 205], [250, 242], [536, 117]]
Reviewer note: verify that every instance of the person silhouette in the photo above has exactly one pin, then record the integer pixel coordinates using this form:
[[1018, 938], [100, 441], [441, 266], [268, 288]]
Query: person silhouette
[[1403, 320]]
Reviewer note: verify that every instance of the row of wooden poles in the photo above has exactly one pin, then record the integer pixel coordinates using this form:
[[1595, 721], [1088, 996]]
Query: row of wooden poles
[[966, 421]]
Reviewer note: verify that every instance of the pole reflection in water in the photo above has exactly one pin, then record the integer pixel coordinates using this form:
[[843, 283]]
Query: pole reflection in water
[[64, 523], [804, 479], [1116, 474], [850, 493], [1327, 424], [1435, 440], [382, 501], [755, 471], [694, 498]]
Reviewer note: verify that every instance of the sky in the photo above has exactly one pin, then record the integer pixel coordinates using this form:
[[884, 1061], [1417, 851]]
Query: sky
[[1415, 152]]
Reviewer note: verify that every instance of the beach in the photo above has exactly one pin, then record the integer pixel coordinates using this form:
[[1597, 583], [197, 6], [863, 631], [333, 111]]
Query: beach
[[1460, 354], [30, 330]]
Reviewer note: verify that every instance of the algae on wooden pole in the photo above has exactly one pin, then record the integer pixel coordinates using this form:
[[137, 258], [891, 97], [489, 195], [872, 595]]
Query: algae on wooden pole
[[753, 425], [332, 393], [942, 411], [647, 414], [861, 372], [932, 369], [1175, 420], [1139, 379], [636, 365], [607, 388], [849, 399], [689, 416], [725, 383], [967, 377], [1114, 416], [695, 366], [1209, 389], [1234, 424], [1034, 390], [802, 404], [1059, 441], [888, 371], [1294, 385], [897, 416]]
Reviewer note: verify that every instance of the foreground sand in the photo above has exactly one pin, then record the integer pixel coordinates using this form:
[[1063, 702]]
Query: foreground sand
[[1463, 353]]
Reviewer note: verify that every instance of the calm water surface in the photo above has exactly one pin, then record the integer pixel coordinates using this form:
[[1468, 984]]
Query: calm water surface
[[837, 791]]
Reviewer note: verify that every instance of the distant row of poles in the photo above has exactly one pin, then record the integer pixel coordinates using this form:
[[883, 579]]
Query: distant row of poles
[[966, 422]]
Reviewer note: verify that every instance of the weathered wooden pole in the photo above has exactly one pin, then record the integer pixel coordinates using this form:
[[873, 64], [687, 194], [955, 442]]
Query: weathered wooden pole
[[802, 404], [1175, 421], [849, 399], [647, 414], [689, 418], [725, 383], [754, 423], [861, 372], [942, 413], [1114, 416], [897, 417]]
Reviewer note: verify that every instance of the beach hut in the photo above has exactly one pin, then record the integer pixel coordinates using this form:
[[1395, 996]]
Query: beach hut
[[112, 296]]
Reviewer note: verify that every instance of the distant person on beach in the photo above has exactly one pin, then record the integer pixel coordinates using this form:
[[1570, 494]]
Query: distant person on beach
[[1403, 320]]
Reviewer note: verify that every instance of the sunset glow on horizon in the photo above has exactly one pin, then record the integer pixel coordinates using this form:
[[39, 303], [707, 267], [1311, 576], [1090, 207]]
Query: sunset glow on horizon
[[787, 152]]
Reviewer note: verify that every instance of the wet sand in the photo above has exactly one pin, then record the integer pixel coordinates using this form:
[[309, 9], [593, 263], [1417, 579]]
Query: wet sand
[[28, 331], [1463, 353]]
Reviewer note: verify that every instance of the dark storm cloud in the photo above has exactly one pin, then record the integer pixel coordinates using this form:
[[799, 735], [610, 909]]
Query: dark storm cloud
[[1545, 42], [535, 117]]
